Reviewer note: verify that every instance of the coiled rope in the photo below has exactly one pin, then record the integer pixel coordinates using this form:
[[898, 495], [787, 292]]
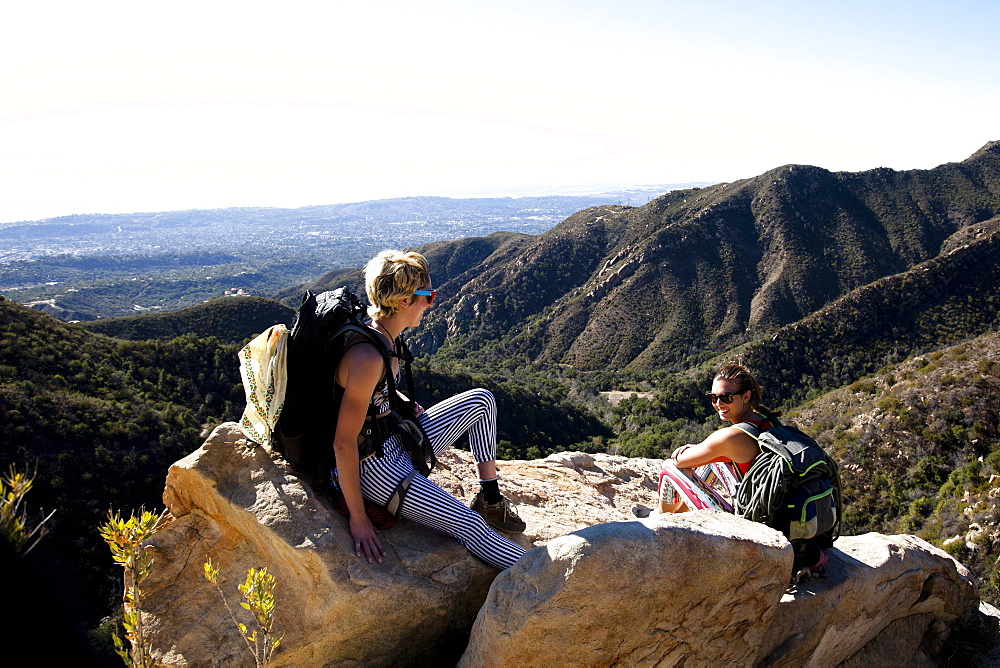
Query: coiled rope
[[762, 489]]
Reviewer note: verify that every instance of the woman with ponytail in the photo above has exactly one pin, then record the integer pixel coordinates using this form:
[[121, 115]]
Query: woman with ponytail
[[736, 397]]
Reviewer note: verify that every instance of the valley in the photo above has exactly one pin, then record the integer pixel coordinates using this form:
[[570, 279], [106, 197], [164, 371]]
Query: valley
[[86, 267], [867, 304]]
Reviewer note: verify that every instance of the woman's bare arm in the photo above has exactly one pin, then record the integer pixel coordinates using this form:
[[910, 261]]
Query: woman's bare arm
[[729, 443], [359, 373]]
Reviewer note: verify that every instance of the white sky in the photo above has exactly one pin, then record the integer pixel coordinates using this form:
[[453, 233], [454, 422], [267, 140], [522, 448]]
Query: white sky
[[141, 106]]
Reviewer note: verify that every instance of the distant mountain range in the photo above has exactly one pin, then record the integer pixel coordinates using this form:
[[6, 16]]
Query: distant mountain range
[[867, 303], [414, 219], [88, 267], [698, 272]]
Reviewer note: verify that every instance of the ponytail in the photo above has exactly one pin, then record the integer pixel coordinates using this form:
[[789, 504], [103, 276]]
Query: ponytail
[[744, 380]]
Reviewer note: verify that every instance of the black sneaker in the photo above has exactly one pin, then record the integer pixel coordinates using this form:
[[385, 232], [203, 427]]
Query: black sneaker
[[499, 516]]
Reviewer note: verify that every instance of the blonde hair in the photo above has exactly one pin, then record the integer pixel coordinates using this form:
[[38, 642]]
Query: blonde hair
[[391, 277]]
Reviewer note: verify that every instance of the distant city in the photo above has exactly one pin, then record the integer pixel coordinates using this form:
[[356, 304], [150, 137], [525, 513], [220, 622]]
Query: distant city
[[417, 220], [93, 266]]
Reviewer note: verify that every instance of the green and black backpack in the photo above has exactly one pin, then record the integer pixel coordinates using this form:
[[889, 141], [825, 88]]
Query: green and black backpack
[[793, 486]]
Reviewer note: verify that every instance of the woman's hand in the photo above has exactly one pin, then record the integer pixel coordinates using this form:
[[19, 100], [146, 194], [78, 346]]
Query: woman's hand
[[418, 410], [366, 543]]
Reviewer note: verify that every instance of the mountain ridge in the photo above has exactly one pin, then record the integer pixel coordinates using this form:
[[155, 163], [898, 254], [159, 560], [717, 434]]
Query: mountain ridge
[[231, 319], [938, 302], [708, 268]]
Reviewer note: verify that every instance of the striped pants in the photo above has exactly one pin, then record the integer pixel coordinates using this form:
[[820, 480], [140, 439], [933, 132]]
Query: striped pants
[[475, 413]]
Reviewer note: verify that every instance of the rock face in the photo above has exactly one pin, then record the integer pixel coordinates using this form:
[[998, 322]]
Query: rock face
[[698, 586], [887, 600], [599, 587], [233, 503], [563, 492], [709, 588]]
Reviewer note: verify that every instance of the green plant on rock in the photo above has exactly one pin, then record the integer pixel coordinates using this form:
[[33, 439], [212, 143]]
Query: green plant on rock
[[125, 537], [258, 598]]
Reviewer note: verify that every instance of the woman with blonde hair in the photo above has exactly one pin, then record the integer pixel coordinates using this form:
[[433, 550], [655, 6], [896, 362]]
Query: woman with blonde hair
[[399, 289]]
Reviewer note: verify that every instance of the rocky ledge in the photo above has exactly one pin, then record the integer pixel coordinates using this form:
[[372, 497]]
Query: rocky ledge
[[598, 588]]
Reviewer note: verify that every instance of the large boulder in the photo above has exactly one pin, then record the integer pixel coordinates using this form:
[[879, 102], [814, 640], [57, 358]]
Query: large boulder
[[598, 588], [708, 588], [656, 591], [236, 504]]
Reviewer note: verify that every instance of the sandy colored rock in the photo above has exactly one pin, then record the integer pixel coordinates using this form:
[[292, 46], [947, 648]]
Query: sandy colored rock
[[563, 492], [698, 586], [707, 588], [599, 587], [886, 600], [233, 503]]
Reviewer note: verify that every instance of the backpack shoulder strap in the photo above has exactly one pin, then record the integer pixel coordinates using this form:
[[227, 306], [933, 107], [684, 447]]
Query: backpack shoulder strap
[[402, 353], [750, 429], [406, 357], [754, 431], [367, 336]]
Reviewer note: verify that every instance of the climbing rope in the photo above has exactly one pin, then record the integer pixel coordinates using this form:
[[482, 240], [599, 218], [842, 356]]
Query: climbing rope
[[763, 488]]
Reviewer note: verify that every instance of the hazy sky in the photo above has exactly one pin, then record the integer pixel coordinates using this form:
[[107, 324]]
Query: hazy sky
[[142, 106]]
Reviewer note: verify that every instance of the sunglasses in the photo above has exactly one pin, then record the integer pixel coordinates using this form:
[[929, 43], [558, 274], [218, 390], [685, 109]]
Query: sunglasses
[[726, 398], [430, 294]]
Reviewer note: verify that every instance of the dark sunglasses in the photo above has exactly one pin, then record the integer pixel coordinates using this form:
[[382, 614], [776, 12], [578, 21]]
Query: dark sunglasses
[[722, 398], [430, 294]]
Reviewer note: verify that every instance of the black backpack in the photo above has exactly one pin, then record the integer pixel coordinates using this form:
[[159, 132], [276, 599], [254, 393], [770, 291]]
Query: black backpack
[[325, 326], [793, 486]]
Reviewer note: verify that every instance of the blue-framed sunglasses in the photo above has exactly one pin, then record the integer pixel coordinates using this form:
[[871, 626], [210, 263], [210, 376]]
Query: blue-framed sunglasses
[[430, 294]]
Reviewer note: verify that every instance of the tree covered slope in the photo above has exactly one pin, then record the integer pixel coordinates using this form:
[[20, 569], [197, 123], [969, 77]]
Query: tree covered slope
[[698, 271]]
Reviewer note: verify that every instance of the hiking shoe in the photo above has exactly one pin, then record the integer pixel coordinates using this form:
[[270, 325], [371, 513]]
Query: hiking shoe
[[807, 573], [500, 516]]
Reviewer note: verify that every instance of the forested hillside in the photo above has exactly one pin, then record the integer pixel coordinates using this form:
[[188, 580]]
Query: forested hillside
[[230, 319], [101, 419], [938, 302], [919, 448], [696, 272], [866, 303]]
